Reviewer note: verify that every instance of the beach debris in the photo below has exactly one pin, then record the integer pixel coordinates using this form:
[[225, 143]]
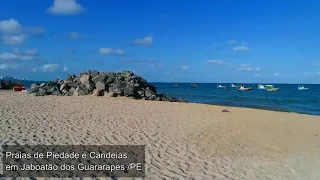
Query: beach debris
[[225, 110], [114, 84]]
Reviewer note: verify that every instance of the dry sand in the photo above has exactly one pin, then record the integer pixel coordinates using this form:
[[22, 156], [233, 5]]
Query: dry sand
[[184, 141]]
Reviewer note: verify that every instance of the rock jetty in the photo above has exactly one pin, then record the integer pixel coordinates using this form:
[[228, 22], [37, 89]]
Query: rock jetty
[[6, 84], [94, 83]]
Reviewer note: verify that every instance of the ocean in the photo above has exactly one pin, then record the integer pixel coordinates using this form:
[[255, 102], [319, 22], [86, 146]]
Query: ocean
[[288, 99]]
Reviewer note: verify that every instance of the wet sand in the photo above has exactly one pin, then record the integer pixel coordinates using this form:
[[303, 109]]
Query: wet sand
[[183, 141]]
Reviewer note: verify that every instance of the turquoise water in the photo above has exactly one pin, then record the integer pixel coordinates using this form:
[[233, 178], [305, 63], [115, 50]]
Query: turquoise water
[[288, 99]]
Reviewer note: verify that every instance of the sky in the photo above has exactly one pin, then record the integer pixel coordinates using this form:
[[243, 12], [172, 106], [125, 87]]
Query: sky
[[163, 41]]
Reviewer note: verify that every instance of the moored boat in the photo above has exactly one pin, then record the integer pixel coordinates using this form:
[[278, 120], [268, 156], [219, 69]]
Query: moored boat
[[242, 88], [271, 88], [233, 86], [194, 85], [302, 88], [260, 86], [19, 88], [220, 86]]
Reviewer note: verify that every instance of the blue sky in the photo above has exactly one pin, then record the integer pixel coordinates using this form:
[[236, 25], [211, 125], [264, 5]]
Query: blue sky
[[176, 41]]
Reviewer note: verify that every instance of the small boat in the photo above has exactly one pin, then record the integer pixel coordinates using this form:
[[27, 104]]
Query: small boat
[[20, 88], [260, 86], [270, 88], [220, 86], [241, 88], [302, 88], [175, 85], [194, 85], [233, 86]]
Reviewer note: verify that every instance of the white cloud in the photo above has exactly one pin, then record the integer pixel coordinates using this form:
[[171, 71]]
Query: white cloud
[[257, 69], [245, 67], [65, 69], [240, 49], [11, 56], [233, 42], [145, 41], [276, 74], [108, 51], [74, 35], [49, 67], [184, 67], [10, 26], [219, 62], [105, 51], [9, 66], [13, 40], [35, 31], [312, 74], [65, 7], [31, 52]]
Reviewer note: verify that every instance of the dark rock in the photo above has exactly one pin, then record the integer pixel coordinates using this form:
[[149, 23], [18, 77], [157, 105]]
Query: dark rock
[[81, 90], [225, 110], [112, 94], [94, 73], [34, 88], [153, 97], [182, 100], [110, 80], [100, 78], [98, 92], [129, 90], [148, 92], [118, 87], [101, 86]]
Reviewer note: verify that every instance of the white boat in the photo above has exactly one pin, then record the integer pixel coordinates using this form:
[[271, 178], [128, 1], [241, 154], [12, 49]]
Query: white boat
[[260, 86], [220, 86], [302, 88], [242, 88], [233, 86], [271, 88]]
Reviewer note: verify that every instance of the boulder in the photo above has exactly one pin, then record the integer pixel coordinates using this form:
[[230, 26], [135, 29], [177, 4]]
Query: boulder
[[81, 90], [100, 78], [112, 94], [100, 86], [34, 88], [182, 100], [148, 92], [118, 88], [129, 90], [98, 92]]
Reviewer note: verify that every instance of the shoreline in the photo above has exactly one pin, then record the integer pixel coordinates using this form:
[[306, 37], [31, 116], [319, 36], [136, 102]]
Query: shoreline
[[218, 105], [183, 140]]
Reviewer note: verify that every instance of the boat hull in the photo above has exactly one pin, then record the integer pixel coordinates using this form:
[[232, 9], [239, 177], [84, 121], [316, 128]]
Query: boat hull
[[19, 88], [245, 89], [273, 90]]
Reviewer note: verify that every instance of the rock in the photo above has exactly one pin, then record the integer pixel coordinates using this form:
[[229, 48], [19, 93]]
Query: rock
[[129, 90], [81, 91], [182, 100], [118, 88], [126, 74], [148, 92], [34, 88], [85, 79], [101, 86], [98, 92], [112, 94], [94, 73], [224, 110], [100, 78], [42, 84], [153, 97], [110, 80]]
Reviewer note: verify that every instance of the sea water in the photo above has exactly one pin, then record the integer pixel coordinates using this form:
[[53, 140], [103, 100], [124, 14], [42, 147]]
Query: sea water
[[288, 99]]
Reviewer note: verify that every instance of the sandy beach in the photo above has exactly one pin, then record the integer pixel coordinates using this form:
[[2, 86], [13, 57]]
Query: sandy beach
[[183, 141]]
